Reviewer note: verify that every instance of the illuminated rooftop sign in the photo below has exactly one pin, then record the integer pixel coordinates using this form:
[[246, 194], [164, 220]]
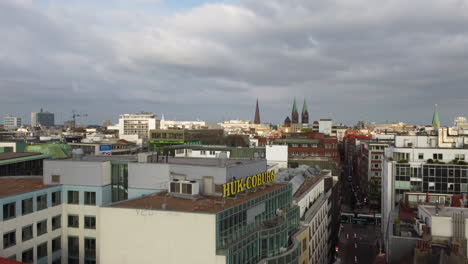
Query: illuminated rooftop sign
[[248, 183]]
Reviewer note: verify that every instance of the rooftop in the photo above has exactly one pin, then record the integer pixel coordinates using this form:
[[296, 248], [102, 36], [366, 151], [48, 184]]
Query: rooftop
[[14, 157], [211, 161], [296, 140], [309, 182], [204, 204], [17, 185], [444, 211]]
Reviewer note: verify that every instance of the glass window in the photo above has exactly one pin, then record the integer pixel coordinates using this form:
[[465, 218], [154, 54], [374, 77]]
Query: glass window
[[27, 233], [27, 206], [90, 198], [42, 250], [73, 248], [421, 156], [73, 197], [41, 227], [9, 239], [56, 198], [73, 221], [9, 211], [41, 202], [90, 248], [28, 256], [56, 222], [90, 222], [56, 244]]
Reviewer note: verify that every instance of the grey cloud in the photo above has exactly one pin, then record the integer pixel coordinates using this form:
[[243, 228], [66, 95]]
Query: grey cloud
[[351, 60]]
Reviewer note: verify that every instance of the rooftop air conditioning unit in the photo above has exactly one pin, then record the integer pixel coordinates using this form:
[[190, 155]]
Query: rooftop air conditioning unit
[[184, 187]]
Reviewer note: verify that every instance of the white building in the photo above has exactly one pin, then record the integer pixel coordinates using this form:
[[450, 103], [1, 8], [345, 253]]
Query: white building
[[277, 155], [11, 122], [432, 164], [135, 127], [174, 124], [447, 225], [325, 126]]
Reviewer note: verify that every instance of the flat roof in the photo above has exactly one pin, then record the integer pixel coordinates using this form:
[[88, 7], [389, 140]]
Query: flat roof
[[15, 155], [20, 184], [212, 162], [309, 182], [296, 140], [444, 211], [204, 204]]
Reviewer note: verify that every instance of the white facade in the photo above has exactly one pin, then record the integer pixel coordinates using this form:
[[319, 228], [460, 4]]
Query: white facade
[[441, 221], [235, 126], [277, 154], [136, 124], [200, 153], [19, 222], [314, 209], [12, 122], [325, 126], [178, 237], [174, 124]]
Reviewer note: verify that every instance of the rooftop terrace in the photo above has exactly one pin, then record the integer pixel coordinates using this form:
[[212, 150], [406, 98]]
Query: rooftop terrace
[[16, 185], [204, 204]]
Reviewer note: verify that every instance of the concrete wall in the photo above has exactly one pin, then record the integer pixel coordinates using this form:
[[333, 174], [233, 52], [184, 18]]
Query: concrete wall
[[387, 195], [277, 154], [309, 197], [148, 176], [149, 236], [85, 173], [246, 169], [195, 153], [400, 247], [190, 172], [448, 154]]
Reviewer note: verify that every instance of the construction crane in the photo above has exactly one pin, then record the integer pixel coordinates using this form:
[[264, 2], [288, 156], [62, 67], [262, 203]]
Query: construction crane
[[75, 115]]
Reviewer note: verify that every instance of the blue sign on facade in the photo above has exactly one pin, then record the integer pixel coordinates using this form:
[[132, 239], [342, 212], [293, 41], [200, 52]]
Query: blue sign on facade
[[105, 148]]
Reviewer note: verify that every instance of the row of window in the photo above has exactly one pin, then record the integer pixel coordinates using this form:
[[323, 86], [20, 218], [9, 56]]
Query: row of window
[[74, 198], [9, 209], [89, 221], [27, 255], [9, 239], [313, 154], [74, 250]]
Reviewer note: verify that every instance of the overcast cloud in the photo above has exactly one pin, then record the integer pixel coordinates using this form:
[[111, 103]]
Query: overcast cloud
[[351, 59]]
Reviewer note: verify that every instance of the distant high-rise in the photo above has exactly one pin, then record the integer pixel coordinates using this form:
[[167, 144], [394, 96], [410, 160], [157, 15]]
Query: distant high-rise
[[435, 117], [11, 122], [295, 113], [42, 119], [305, 113], [257, 114]]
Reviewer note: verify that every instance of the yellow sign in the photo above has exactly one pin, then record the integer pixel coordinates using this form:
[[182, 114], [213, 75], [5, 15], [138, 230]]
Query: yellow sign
[[248, 183]]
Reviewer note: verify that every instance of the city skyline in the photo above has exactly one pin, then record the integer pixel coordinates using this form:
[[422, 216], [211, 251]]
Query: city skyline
[[212, 59]]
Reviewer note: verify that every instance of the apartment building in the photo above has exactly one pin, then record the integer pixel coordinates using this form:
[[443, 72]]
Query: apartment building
[[426, 163], [11, 122]]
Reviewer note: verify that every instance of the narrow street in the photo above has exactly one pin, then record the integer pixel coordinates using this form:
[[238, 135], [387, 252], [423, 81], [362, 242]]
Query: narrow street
[[358, 243]]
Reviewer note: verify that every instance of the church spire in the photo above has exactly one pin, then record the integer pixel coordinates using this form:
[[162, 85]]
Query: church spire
[[257, 114], [435, 117], [295, 114], [305, 113]]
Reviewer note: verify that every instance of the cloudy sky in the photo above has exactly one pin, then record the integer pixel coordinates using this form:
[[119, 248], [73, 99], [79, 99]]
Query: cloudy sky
[[352, 60]]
